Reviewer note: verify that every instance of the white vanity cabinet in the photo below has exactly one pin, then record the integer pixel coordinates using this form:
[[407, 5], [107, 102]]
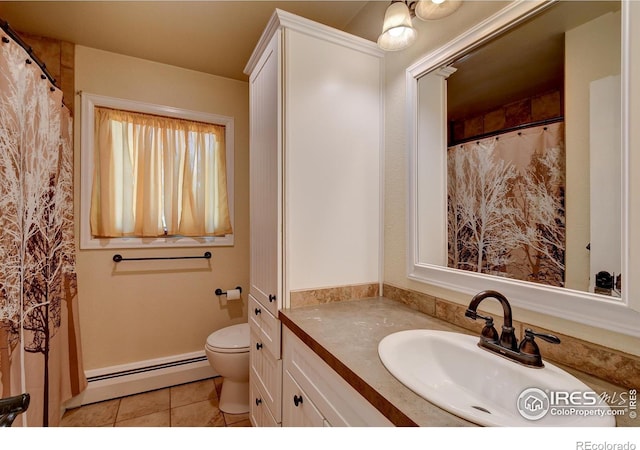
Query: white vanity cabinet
[[315, 395], [299, 411], [316, 121]]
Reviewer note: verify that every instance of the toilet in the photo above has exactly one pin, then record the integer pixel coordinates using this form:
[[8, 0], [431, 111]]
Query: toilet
[[228, 353]]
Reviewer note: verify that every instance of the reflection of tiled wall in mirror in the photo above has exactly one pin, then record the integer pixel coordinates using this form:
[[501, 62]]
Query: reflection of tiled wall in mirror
[[544, 106]]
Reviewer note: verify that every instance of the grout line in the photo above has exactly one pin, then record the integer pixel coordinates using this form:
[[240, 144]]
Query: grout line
[[115, 418]]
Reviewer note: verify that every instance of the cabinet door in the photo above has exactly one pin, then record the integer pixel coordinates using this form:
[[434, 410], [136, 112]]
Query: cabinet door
[[265, 175], [297, 408], [266, 372], [259, 414], [339, 402], [266, 325]]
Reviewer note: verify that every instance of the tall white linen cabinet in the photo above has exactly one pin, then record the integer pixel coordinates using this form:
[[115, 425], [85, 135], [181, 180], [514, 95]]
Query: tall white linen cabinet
[[316, 136]]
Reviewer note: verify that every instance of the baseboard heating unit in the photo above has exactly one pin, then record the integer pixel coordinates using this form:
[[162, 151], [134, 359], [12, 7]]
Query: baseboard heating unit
[[134, 378]]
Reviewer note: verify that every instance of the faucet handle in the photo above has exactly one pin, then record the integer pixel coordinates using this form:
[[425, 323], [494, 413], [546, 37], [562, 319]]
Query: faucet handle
[[488, 332], [529, 346], [471, 314], [529, 333]]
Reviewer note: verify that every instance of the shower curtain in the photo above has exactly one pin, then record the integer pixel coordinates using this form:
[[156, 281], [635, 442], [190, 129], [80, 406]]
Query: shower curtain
[[506, 213], [39, 334]]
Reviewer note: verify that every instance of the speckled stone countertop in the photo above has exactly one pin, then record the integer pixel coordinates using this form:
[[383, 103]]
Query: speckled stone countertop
[[346, 336]]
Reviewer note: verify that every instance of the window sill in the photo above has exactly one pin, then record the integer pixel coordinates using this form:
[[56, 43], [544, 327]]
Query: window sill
[[169, 242]]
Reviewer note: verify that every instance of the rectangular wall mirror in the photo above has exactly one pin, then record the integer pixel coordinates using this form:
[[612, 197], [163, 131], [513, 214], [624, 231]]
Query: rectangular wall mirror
[[518, 157]]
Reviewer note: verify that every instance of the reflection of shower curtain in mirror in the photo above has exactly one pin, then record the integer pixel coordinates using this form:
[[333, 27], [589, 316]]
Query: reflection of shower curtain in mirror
[[39, 338], [506, 213]]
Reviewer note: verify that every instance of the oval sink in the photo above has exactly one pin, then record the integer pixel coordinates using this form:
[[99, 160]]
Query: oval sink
[[451, 371]]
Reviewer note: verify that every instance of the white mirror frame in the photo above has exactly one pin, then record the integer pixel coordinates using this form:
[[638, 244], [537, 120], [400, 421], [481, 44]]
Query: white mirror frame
[[619, 315]]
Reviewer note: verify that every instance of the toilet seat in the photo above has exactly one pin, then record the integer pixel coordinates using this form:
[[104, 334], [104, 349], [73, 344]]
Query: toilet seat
[[232, 339]]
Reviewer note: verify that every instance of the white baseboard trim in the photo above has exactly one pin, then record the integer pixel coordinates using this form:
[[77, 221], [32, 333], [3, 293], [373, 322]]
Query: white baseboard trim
[[127, 379]]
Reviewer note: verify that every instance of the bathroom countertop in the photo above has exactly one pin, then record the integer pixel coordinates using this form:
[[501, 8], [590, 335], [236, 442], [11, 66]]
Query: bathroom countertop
[[346, 336]]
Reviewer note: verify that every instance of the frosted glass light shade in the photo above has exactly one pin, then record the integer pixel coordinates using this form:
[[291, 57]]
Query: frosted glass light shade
[[436, 9], [397, 30]]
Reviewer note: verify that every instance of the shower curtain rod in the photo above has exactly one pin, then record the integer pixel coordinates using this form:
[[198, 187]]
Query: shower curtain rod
[[507, 130], [13, 35]]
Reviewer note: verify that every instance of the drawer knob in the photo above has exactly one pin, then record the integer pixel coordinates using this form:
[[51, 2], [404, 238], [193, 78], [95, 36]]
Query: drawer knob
[[297, 400], [272, 298], [258, 401], [258, 346], [257, 311]]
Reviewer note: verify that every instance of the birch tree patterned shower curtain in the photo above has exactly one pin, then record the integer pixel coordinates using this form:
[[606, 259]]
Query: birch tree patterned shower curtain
[[39, 337], [506, 205]]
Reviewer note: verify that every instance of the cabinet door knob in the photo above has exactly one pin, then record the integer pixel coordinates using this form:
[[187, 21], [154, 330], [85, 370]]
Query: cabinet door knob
[[258, 401], [297, 400], [258, 346], [272, 298], [257, 311]]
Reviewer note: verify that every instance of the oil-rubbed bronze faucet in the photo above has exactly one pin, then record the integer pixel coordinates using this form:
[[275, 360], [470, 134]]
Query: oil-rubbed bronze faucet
[[527, 353]]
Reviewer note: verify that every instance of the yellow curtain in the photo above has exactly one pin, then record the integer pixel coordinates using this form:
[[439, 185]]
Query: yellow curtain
[[157, 176]]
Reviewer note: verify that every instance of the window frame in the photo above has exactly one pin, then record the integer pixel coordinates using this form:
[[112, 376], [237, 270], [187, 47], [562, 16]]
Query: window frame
[[87, 241]]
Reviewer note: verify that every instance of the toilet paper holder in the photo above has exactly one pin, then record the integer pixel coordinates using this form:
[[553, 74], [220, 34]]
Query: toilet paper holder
[[221, 292]]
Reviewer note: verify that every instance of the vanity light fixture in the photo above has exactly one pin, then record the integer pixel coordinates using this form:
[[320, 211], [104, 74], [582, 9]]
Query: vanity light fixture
[[436, 9], [397, 30]]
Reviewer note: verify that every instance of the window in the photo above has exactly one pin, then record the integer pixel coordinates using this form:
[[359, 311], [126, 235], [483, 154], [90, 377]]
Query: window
[[154, 176]]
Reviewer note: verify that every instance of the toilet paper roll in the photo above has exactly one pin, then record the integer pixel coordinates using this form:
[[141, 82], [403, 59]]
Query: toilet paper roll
[[233, 294]]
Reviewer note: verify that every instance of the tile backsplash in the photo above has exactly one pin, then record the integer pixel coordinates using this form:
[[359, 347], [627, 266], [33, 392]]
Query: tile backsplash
[[333, 294]]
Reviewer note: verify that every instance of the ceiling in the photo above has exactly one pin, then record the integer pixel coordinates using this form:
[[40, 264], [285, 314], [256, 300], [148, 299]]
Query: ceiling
[[215, 37], [523, 62]]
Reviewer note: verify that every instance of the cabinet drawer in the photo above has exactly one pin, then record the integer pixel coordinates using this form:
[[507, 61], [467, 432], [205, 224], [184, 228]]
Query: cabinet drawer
[[266, 371], [268, 324], [297, 408], [337, 400], [259, 413]]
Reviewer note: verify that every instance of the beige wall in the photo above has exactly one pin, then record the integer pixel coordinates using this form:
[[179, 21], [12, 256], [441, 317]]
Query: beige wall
[[150, 309], [588, 57], [431, 36]]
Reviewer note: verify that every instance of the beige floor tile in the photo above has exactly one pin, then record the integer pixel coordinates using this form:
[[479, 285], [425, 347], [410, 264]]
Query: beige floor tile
[[200, 414], [159, 419], [234, 418], [193, 392], [94, 415], [143, 404], [242, 423]]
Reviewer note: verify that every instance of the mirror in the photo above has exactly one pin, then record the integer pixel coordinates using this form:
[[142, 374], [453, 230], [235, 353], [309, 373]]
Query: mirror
[[516, 158], [531, 126]]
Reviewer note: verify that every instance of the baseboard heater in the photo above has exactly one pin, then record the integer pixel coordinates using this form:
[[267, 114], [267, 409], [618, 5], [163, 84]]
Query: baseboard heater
[[125, 373], [134, 378]]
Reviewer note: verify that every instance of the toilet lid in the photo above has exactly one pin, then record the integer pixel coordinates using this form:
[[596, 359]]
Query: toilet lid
[[232, 337]]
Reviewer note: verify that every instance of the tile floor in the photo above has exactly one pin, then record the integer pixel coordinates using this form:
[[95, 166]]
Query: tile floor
[[187, 405]]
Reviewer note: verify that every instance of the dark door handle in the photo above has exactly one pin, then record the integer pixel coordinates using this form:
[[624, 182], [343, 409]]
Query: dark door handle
[[258, 346], [271, 298], [257, 311], [297, 400], [258, 401]]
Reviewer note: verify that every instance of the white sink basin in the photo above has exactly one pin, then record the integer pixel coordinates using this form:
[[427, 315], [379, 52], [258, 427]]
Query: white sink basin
[[452, 372]]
